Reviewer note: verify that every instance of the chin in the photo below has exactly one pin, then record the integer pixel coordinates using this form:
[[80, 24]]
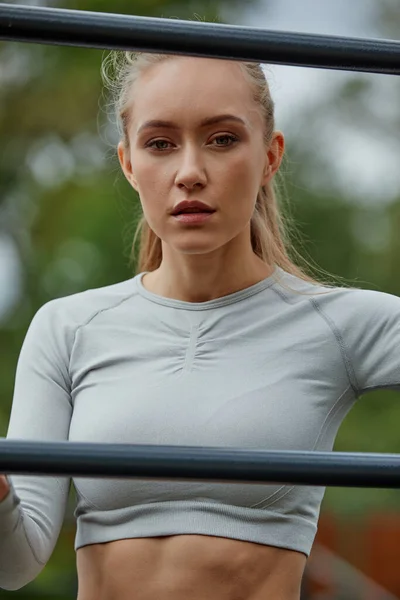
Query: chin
[[193, 243], [191, 246], [195, 250]]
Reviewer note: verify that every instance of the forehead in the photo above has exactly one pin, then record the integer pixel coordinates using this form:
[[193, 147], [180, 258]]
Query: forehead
[[191, 88]]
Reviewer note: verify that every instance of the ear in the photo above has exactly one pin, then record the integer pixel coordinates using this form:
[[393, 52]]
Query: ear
[[126, 165], [274, 156]]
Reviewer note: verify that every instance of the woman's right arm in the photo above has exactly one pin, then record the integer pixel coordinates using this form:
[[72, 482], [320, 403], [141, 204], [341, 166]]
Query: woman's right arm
[[32, 507]]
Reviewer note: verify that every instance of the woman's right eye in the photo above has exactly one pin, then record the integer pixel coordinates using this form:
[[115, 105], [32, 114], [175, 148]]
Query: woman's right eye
[[158, 145]]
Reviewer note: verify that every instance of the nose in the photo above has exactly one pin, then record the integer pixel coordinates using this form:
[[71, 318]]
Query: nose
[[191, 172]]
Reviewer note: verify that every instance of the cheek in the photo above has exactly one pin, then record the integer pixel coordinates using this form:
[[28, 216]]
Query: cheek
[[245, 166], [242, 180], [152, 183]]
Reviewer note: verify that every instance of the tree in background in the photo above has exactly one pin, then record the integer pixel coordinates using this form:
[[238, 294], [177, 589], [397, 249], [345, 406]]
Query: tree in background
[[68, 216]]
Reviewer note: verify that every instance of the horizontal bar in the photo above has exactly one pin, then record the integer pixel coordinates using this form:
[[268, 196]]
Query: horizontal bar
[[200, 463], [126, 32]]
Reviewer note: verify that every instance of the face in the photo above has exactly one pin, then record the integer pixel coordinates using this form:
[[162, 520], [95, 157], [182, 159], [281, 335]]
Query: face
[[195, 133]]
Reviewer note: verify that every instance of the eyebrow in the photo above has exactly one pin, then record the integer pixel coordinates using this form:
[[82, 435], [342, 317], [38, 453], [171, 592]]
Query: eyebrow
[[171, 125]]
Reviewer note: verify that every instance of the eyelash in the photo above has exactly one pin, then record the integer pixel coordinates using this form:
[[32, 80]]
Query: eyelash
[[233, 139]]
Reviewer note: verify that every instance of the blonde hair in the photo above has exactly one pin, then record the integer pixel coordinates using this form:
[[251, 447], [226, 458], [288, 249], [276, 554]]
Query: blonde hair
[[269, 230]]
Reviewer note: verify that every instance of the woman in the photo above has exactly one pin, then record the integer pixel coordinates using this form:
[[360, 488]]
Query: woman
[[218, 341]]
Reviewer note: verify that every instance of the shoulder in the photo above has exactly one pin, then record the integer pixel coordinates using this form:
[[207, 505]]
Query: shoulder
[[63, 316], [349, 310], [341, 302], [354, 308], [366, 325]]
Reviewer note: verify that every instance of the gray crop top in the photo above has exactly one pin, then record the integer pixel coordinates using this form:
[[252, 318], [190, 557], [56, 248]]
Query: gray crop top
[[274, 366]]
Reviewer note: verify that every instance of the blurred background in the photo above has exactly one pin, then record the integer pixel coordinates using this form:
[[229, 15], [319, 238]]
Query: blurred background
[[67, 218]]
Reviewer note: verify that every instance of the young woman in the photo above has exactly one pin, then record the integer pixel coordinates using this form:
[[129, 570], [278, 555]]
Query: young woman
[[219, 340]]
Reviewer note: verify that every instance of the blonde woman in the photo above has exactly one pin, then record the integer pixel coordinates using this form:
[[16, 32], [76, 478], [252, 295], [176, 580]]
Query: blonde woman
[[218, 340]]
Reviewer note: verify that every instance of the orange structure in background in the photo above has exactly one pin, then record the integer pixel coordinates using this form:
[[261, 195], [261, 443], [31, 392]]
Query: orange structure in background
[[355, 559], [382, 543]]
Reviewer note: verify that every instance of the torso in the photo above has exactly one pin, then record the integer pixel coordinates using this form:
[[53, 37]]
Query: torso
[[188, 566], [160, 385]]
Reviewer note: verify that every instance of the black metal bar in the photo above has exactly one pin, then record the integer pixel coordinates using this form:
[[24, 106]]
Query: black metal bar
[[200, 463], [127, 32]]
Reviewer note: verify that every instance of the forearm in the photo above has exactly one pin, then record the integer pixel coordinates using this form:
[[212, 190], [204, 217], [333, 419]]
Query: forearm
[[18, 565], [29, 527]]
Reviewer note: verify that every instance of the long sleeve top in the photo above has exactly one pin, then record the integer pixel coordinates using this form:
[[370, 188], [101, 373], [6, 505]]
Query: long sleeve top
[[275, 366]]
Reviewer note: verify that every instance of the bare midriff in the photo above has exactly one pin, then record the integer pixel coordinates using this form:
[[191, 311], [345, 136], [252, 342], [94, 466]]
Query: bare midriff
[[180, 567]]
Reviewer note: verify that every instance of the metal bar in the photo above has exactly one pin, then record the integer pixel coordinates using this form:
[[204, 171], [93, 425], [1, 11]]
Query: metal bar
[[200, 463], [127, 32]]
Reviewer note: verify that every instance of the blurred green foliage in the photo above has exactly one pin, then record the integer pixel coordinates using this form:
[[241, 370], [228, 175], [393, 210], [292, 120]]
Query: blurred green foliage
[[68, 215]]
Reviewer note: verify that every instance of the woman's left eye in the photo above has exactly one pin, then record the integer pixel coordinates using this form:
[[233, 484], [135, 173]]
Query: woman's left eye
[[227, 138]]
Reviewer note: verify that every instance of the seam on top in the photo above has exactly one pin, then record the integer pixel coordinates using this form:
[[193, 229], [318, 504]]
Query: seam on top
[[339, 339], [238, 296], [93, 316], [107, 308], [35, 556], [280, 493], [85, 499], [279, 292], [276, 497], [331, 414]]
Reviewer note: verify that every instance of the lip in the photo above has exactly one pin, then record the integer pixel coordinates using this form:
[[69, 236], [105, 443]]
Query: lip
[[193, 218], [191, 204]]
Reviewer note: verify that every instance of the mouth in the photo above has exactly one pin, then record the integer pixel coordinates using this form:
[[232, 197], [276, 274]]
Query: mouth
[[193, 218]]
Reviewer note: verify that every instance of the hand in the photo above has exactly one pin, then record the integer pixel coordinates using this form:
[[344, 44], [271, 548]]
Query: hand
[[4, 487]]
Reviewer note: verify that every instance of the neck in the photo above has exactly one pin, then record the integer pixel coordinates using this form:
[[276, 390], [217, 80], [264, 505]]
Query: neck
[[203, 277]]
